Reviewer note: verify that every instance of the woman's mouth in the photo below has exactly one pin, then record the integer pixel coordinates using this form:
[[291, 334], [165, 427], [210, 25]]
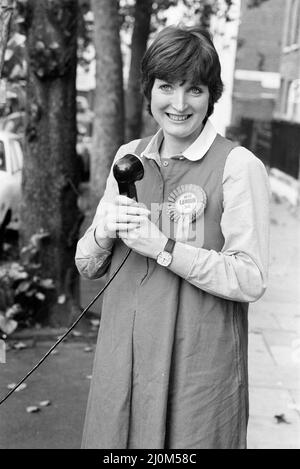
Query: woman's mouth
[[178, 117]]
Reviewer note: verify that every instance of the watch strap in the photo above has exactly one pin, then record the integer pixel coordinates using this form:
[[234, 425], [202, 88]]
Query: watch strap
[[169, 246]]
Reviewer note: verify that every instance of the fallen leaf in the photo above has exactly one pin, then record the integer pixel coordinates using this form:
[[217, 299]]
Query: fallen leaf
[[11, 385], [45, 403], [54, 352], [89, 376], [20, 345], [95, 322], [88, 349], [8, 326], [76, 333], [21, 387], [281, 418], [61, 299], [32, 408]]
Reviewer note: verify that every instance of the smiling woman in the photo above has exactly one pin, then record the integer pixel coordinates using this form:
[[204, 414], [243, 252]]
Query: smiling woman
[[171, 361], [180, 109]]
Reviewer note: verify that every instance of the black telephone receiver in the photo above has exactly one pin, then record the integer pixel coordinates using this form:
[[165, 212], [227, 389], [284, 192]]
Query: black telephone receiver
[[127, 170]]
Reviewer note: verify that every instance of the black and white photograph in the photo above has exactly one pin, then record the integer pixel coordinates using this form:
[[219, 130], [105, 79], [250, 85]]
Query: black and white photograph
[[149, 227]]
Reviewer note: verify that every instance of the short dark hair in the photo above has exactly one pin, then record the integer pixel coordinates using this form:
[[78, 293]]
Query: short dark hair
[[183, 53]]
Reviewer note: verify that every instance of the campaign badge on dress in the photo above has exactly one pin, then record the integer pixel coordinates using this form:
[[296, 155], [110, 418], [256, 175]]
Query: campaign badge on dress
[[187, 201]]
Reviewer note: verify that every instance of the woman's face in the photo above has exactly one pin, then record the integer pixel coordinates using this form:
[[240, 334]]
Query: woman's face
[[179, 109]]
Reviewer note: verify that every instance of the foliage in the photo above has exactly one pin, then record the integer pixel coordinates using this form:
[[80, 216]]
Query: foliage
[[15, 67], [24, 291]]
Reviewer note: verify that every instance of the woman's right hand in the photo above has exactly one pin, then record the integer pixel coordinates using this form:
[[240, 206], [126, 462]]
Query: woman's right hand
[[122, 214]]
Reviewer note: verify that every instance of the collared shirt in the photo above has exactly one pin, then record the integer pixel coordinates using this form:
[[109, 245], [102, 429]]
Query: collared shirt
[[239, 271]]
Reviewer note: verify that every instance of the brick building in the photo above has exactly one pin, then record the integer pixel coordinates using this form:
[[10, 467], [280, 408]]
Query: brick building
[[257, 79], [288, 103], [285, 144]]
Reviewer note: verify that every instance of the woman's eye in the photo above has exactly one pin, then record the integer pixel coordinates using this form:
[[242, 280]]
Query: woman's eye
[[196, 91], [165, 87]]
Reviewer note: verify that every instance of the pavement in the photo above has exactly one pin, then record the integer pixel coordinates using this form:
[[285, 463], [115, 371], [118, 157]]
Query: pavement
[[274, 341], [274, 363]]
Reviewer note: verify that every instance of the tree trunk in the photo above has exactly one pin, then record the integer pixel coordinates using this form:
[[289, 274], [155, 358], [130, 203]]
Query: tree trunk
[[6, 12], [50, 177], [109, 102], [134, 97]]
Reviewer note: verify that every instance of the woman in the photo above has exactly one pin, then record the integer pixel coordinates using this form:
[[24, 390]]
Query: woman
[[170, 368]]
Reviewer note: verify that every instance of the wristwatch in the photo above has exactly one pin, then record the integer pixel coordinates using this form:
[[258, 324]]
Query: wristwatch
[[165, 257]]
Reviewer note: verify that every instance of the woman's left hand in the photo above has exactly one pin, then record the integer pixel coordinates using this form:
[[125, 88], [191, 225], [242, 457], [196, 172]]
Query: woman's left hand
[[146, 239]]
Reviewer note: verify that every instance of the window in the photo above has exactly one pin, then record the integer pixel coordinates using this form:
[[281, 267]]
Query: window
[[286, 98], [2, 157], [293, 25], [290, 104], [18, 152], [16, 156]]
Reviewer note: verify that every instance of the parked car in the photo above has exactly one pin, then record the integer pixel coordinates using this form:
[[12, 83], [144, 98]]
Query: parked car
[[11, 164]]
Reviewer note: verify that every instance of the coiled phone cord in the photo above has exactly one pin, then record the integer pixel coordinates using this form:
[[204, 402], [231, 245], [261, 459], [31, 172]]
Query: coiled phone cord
[[68, 331]]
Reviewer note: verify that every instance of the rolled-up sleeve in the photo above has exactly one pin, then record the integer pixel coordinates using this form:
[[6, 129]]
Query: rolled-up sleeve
[[239, 271], [91, 259]]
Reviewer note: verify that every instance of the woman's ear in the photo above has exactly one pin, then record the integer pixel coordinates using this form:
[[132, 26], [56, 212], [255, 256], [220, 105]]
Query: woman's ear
[[149, 108]]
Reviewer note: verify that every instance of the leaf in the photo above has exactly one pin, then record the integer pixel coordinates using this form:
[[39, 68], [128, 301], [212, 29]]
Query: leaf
[[76, 334], [88, 349], [23, 286], [281, 418], [8, 326], [95, 322], [47, 283], [16, 272], [20, 388], [20, 346], [40, 296], [30, 293], [11, 385], [32, 409], [13, 311], [61, 299], [45, 403]]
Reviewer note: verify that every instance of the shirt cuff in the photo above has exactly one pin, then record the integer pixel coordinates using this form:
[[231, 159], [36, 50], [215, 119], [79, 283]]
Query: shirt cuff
[[109, 242], [88, 247], [183, 259]]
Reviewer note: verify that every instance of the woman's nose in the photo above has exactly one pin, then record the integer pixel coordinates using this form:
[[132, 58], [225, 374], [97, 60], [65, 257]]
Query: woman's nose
[[179, 100]]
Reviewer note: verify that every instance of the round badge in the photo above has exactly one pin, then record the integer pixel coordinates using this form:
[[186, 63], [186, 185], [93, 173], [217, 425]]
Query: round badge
[[186, 201]]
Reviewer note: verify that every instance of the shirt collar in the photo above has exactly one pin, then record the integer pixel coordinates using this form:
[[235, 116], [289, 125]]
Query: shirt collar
[[194, 152]]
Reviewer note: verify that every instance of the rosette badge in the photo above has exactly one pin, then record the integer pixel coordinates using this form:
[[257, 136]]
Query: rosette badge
[[186, 202]]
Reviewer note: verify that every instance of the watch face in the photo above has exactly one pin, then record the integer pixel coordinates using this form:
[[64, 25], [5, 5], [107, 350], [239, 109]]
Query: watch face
[[164, 258]]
